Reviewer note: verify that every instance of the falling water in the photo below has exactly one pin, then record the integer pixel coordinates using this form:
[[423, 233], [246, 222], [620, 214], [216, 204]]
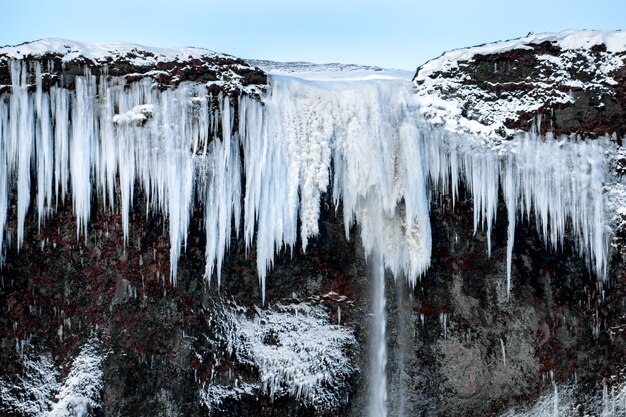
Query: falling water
[[404, 341], [377, 406]]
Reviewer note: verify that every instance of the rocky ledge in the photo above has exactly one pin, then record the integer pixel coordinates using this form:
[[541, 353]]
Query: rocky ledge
[[568, 82], [63, 60]]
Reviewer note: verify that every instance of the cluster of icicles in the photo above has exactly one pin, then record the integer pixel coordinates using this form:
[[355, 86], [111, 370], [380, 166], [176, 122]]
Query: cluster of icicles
[[363, 141]]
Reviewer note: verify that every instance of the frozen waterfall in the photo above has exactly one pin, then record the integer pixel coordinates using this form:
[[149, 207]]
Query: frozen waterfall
[[363, 141]]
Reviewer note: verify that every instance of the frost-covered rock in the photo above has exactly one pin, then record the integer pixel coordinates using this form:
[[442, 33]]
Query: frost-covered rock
[[567, 82], [30, 392], [38, 390], [296, 351]]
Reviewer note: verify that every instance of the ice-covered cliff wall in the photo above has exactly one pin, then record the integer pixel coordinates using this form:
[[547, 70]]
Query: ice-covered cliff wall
[[204, 148], [365, 140]]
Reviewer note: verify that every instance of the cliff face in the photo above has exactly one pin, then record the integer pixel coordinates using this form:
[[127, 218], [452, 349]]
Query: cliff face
[[99, 322]]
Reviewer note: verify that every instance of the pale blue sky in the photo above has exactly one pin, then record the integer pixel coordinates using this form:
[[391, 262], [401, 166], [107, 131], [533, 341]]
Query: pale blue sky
[[391, 33]]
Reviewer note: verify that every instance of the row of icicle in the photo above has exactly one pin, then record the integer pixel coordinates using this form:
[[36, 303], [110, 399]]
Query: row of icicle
[[364, 141]]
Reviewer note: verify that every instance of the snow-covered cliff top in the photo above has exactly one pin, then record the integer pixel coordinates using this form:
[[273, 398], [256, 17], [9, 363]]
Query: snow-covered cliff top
[[329, 72], [573, 79], [105, 52], [615, 42], [167, 67]]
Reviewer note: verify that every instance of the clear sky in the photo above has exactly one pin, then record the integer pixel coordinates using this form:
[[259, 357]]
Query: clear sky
[[390, 33]]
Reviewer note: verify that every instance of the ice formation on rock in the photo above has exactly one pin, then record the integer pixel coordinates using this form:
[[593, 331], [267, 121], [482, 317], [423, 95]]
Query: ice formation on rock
[[567, 401], [38, 390], [558, 180], [297, 352], [366, 134], [30, 392], [364, 141]]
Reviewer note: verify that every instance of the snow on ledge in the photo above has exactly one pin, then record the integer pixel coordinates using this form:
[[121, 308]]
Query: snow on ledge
[[615, 42], [102, 52], [329, 72], [452, 96]]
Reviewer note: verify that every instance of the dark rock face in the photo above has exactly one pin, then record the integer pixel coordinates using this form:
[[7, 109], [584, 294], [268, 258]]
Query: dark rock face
[[496, 352]]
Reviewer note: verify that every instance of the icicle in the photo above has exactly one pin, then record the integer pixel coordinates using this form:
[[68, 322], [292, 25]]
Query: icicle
[[21, 145], [509, 187], [81, 156], [555, 409], [4, 174], [61, 115], [43, 146], [443, 319], [385, 164]]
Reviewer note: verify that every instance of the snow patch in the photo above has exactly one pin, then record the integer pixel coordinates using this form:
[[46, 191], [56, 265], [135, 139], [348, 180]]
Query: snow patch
[[82, 388]]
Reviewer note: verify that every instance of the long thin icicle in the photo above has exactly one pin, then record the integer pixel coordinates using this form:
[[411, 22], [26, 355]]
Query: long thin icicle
[[558, 180]]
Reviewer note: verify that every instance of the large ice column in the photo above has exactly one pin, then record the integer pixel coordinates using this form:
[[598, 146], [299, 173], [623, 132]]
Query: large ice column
[[43, 145], [368, 130], [82, 148], [20, 144]]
